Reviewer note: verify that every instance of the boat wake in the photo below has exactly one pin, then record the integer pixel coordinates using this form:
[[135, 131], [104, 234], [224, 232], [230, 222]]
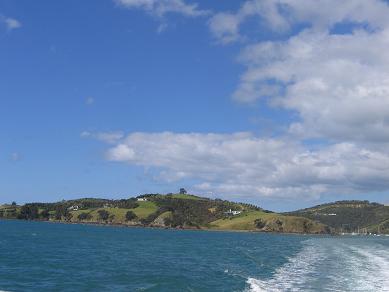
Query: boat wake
[[330, 265]]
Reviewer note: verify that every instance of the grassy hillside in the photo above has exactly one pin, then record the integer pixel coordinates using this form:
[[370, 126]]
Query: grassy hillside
[[172, 210], [350, 216], [269, 222], [9, 211]]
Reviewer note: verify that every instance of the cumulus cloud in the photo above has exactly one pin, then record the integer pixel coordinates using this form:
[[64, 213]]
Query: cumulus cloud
[[241, 164], [281, 15], [337, 83], [225, 25], [161, 7], [10, 23]]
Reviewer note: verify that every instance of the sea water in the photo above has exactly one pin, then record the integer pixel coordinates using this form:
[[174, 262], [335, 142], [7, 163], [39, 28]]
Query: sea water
[[38, 256]]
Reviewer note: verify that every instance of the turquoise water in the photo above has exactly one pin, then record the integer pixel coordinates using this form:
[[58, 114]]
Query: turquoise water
[[38, 256]]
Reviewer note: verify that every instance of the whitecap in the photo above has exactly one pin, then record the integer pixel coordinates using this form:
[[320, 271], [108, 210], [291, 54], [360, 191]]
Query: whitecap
[[331, 265], [293, 275]]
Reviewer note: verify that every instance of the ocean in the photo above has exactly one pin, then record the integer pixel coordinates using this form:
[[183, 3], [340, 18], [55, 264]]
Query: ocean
[[40, 256]]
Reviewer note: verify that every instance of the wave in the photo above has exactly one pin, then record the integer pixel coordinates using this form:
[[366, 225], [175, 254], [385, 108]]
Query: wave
[[330, 265]]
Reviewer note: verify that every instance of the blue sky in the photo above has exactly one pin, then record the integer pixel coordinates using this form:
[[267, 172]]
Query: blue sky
[[117, 98]]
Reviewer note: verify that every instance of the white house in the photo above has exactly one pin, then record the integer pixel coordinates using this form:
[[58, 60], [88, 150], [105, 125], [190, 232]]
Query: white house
[[233, 212], [142, 199], [73, 208]]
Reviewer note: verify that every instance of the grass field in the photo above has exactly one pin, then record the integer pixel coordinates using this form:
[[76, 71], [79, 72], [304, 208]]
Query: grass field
[[142, 211], [245, 221], [186, 197], [145, 209]]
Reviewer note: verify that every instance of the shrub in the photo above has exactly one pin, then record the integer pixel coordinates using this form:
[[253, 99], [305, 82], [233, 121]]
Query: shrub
[[130, 216], [259, 223], [45, 214], [61, 211], [103, 215], [28, 212], [84, 216]]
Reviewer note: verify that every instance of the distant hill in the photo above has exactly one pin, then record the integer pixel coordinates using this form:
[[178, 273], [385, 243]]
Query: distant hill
[[349, 216], [166, 211]]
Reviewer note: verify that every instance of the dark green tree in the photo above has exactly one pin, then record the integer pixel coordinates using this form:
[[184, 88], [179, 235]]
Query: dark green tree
[[259, 223], [29, 212], [130, 216], [84, 216], [45, 214], [103, 215], [61, 212]]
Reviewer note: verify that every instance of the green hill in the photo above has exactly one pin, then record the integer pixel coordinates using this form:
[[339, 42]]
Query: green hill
[[350, 216], [169, 211], [269, 222]]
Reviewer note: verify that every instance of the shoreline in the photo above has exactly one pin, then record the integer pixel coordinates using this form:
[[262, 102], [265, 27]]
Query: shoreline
[[99, 224]]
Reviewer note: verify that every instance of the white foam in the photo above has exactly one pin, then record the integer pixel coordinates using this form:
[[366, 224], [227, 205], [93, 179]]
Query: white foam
[[331, 265], [373, 273], [293, 275]]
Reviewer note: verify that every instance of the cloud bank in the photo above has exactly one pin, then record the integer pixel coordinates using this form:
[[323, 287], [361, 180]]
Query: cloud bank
[[242, 164]]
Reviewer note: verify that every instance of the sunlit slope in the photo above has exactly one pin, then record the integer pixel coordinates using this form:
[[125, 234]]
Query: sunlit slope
[[269, 222]]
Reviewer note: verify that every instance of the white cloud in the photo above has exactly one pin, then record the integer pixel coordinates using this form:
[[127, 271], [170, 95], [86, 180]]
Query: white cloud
[[338, 84], [225, 27], [161, 7], [281, 15], [241, 164], [10, 23]]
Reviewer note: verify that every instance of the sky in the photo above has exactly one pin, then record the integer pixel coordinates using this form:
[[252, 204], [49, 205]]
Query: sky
[[281, 103]]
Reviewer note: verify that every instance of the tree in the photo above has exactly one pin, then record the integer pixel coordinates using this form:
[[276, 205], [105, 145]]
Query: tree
[[84, 216], [61, 212], [28, 212], [103, 215], [130, 216], [259, 223], [127, 204], [13, 203], [45, 214]]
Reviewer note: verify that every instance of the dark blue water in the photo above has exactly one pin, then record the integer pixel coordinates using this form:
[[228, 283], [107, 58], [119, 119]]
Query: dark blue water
[[58, 257]]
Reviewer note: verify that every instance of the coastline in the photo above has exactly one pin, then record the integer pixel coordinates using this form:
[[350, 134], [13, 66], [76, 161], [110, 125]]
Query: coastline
[[100, 224]]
